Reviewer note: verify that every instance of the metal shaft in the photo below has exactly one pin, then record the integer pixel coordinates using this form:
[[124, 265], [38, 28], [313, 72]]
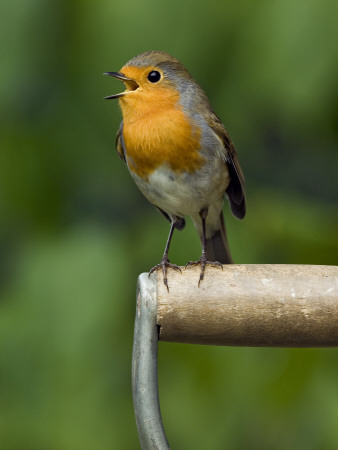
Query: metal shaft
[[144, 368]]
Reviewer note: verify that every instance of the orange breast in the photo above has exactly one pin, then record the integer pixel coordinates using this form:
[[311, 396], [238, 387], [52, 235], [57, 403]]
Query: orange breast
[[157, 132]]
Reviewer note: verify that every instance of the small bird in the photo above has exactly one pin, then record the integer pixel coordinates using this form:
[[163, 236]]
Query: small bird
[[178, 153]]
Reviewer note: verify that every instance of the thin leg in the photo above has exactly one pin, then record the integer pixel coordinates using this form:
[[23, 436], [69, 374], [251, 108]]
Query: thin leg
[[203, 259], [171, 232], [165, 263], [203, 215]]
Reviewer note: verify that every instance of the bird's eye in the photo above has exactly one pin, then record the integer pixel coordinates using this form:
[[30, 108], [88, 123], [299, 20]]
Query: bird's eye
[[154, 76]]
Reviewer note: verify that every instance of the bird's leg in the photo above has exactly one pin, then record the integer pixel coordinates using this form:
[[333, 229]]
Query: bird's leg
[[203, 259], [165, 263]]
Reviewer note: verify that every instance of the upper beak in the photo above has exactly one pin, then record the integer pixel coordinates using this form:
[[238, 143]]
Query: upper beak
[[130, 84]]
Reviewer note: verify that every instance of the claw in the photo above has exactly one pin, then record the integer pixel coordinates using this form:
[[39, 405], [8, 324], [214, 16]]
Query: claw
[[203, 263], [164, 265]]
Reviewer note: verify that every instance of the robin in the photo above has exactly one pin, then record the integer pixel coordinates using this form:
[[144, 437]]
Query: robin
[[179, 153]]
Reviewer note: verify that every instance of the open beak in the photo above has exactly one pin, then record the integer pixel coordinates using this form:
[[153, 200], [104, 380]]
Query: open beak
[[131, 85]]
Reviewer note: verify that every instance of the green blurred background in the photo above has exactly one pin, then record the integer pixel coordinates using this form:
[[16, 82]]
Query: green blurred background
[[75, 232]]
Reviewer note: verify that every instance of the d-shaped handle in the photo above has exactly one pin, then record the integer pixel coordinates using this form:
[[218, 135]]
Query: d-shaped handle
[[248, 305]]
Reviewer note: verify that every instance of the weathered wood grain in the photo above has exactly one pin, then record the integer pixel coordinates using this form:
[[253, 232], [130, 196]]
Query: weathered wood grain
[[250, 305]]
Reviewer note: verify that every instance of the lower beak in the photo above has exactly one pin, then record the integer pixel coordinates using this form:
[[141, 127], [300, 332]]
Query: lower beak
[[130, 84]]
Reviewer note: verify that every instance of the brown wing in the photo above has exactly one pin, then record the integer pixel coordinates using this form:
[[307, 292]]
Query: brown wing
[[235, 191], [120, 144]]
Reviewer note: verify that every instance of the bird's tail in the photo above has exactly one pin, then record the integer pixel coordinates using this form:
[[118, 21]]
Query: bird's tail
[[217, 247]]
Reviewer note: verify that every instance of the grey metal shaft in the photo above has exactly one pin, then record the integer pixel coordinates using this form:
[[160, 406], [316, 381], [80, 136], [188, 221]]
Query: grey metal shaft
[[144, 368]]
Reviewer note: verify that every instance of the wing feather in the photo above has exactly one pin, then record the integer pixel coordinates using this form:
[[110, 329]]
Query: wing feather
[[235, 191], [120, 147]]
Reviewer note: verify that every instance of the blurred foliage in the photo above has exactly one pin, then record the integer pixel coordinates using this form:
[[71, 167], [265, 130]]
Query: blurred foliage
[[75, 232]]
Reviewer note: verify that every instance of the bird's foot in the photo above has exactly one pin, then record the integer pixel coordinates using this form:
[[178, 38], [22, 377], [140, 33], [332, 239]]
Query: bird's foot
[[203, 263], [165, 264]]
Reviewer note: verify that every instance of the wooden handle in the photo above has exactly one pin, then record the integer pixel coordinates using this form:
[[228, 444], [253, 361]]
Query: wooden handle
[[250, 305]]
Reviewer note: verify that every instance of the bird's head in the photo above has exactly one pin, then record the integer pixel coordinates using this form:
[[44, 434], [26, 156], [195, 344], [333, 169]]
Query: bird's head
[[154, 81]]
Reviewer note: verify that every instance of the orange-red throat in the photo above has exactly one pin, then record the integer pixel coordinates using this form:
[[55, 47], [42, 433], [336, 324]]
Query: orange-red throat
[[156, 131]]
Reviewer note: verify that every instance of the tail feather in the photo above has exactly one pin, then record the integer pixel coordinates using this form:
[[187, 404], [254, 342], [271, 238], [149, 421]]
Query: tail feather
[[217, 247]]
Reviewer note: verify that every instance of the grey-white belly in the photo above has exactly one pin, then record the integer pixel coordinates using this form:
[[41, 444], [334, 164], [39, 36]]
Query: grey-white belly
[[181, 193]]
